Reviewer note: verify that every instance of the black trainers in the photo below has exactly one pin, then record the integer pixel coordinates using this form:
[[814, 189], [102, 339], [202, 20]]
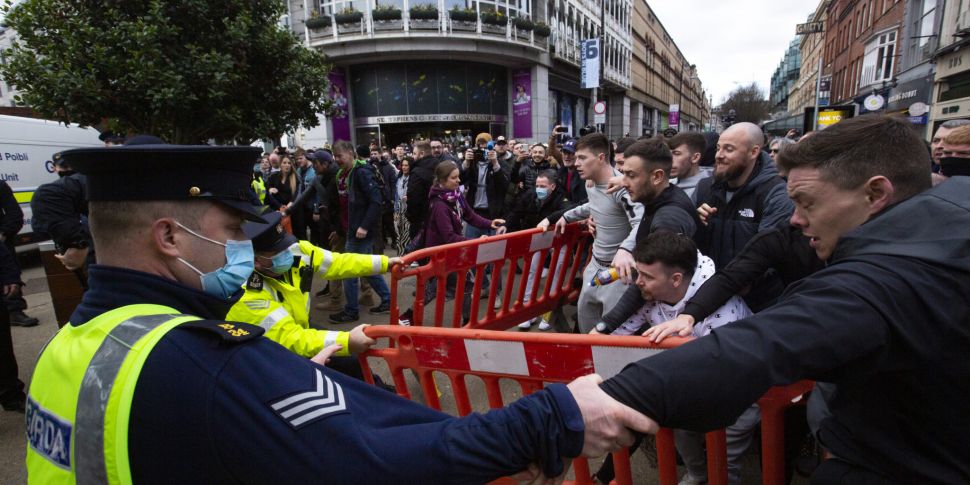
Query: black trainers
[[324, 292], [383, 309], [343, 317], [21, 319]]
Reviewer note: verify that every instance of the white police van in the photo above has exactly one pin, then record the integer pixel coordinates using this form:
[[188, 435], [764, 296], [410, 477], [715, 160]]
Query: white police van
[[26, 149]]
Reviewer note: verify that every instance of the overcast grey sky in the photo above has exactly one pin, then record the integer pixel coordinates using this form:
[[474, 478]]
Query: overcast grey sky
[[732, 42]]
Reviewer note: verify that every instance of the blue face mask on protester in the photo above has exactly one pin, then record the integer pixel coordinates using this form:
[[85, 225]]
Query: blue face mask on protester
[[227, 280], [542, 193]]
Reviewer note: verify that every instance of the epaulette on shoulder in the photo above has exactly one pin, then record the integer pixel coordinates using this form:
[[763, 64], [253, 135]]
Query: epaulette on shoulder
[[255, 282], [227, 331]]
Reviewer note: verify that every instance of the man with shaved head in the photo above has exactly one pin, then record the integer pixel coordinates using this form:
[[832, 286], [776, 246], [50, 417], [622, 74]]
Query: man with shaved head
[[744, 197]]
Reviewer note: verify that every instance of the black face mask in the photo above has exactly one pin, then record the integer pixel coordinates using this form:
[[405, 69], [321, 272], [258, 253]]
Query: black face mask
[[954, 166]]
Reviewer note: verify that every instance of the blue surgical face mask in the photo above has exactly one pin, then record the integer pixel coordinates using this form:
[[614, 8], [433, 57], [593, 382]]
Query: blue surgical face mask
[[283, 261], [227, 280], [542, 193]]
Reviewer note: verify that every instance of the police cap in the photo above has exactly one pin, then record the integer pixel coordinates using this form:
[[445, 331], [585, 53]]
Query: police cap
[[144, 172], [269, 236]]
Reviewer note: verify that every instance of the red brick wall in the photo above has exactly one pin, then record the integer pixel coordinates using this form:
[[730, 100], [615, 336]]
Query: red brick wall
[[851, 24]]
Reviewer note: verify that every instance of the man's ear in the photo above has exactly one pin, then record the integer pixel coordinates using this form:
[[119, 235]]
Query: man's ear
[[657, 176], [163, 237], [677, 279], [880, 193], [695, 158]]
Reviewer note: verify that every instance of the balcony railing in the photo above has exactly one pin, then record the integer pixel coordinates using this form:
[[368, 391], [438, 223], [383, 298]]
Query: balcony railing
[[327, 28]]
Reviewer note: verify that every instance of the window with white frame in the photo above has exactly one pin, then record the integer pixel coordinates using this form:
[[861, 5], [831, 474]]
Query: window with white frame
[[877, 66]]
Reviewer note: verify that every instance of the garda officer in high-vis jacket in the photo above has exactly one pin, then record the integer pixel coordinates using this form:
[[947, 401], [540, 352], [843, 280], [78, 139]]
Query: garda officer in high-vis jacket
[[148, 383], [277, 296]]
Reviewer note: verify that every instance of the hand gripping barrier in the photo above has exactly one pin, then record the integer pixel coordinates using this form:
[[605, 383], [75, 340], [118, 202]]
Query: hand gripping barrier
[[466, 262], [532, 360]]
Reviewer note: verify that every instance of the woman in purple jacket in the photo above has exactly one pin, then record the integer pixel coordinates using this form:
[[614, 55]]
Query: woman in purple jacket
[[444, 225]]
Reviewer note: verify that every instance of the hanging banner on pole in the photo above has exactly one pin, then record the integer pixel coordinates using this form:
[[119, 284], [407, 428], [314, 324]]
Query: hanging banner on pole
[[591, 63], [341, 114], [522, 103]]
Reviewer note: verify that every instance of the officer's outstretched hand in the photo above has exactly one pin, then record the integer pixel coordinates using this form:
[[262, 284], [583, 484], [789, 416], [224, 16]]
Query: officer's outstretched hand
[[324, 355], [359, 341], [608, 422], [394, 261]]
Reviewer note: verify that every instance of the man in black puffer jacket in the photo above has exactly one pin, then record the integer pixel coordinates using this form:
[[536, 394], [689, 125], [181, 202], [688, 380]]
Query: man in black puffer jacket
[[745, 196]]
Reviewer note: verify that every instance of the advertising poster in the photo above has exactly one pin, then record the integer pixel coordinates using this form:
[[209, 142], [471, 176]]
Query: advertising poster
[[341, 116], [522, 103]]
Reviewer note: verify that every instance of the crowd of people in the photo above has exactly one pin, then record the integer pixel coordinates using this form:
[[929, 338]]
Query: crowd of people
[[729, 238]]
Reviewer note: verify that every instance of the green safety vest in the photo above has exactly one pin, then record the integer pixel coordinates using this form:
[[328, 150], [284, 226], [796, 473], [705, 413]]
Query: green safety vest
[[81, 393]]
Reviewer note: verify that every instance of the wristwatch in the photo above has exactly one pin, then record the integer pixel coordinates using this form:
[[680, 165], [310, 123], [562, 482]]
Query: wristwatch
[[602, 328], [79, 244]]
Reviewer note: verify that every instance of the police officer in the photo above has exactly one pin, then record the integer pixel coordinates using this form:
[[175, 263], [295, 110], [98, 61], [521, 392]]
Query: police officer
[[148, 382], [60, 209], [277, 293]]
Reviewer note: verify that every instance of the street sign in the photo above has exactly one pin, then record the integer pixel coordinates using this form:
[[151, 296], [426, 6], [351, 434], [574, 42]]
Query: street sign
[[809, 28], [590, 74], [599, 113]]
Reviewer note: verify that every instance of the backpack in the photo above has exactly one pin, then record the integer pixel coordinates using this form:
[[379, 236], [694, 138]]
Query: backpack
[[381, 185]]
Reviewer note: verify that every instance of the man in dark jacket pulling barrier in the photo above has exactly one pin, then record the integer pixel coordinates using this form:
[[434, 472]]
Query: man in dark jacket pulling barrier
[[886, 321], [744, 197]]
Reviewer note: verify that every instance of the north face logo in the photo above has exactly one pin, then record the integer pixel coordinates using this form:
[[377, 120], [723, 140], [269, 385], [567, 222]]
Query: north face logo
[[749, 213]]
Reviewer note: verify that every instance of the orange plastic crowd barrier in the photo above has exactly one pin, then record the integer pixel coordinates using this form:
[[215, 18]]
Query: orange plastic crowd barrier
[[534, 359], [562, 253]]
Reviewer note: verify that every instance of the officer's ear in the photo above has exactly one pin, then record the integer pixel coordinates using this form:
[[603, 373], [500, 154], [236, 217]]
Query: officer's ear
[[163, 236]]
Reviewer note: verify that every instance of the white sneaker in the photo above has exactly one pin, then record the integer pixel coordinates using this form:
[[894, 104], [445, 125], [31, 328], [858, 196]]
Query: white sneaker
[[526, 325], [687, 479], [544, 325]]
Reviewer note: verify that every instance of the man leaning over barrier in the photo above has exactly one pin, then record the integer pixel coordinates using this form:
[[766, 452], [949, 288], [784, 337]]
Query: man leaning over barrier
[[886, 321]]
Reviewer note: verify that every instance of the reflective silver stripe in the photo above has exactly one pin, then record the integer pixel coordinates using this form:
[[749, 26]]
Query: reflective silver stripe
[[377, 263], [330, 338], [273, 317], [325, 263], [92, 400]]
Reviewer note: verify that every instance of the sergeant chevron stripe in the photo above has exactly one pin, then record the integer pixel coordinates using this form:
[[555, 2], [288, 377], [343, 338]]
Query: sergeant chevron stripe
[[300, 409]]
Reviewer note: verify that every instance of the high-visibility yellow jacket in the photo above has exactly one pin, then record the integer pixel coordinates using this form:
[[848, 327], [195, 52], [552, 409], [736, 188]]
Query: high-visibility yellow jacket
[[260, 188], [281, 306]]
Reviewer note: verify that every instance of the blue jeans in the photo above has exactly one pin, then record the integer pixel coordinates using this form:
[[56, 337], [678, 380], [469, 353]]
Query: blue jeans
[[472, 232], [351, 286]]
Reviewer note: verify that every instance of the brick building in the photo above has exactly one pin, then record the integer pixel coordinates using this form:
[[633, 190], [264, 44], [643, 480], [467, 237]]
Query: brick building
[[862, 43]]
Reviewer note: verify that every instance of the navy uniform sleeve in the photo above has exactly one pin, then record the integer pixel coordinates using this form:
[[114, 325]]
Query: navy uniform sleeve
[[13, 217], [263, 414]]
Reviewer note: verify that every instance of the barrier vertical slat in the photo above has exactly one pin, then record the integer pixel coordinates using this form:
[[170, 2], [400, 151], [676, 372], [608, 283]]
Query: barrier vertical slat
[[716, 457], [460, 390], [666, 457]]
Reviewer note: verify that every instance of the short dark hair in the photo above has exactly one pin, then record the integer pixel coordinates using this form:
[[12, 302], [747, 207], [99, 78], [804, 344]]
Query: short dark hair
[[670, 248], [852, 151], [653, 152], [550, 175], [623, 143], [595, 142], [695, 141]]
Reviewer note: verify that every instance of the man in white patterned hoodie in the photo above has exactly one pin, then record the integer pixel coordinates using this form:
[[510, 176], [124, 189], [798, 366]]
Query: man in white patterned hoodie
[[670, 270]]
